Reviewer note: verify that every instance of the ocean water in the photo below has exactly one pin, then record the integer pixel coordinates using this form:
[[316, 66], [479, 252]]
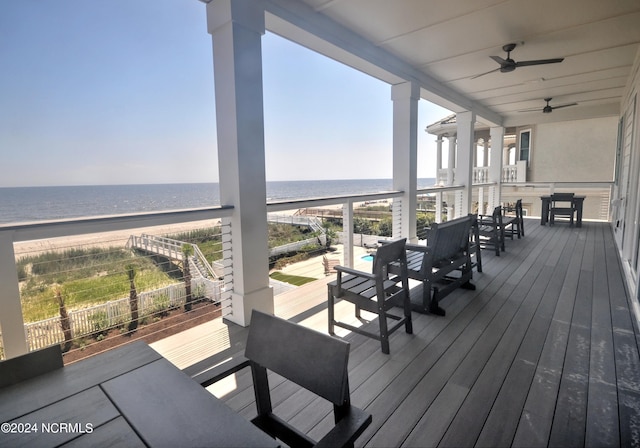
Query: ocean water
[[22, 204]]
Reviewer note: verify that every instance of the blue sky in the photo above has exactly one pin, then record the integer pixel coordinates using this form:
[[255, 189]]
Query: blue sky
[[121, 91]]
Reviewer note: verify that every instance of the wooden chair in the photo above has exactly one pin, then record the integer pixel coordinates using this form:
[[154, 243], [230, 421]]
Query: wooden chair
[[491, 231], [562, 205], [513, 222], [32, 364], [328, 264], [314, 361], [377, 292], [475, 251]]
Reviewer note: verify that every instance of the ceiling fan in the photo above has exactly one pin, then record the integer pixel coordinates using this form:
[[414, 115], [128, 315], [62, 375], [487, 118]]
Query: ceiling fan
[[509, 65], [548, 109]]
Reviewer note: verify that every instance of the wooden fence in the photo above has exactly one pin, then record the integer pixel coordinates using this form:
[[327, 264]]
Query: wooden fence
[[88, 321]]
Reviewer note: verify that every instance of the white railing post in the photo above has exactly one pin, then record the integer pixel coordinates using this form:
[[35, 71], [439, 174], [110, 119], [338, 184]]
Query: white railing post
[[14, 339], [521, 171], [347, 231]]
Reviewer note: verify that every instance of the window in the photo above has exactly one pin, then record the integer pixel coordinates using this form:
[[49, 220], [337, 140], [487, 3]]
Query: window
[[525, 145]]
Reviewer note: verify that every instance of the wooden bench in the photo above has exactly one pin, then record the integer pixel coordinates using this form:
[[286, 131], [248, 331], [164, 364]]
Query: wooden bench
[[447, 252]]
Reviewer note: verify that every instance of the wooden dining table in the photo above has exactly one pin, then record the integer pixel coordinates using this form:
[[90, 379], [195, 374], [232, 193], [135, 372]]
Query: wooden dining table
[[129, 397], [578, 202]]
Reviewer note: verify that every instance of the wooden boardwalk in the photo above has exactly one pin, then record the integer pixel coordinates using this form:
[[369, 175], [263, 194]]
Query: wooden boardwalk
[[543, 353]]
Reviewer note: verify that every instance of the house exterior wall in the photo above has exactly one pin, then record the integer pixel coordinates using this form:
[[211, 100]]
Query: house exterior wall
[[574, 151], [626, 211]]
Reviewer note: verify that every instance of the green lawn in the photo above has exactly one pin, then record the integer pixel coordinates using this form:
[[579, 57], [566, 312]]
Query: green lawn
[[291, 279], [85, 277], [80, 293]]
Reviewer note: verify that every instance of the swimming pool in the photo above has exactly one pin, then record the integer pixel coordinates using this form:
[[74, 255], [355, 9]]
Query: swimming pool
[[367, 257]]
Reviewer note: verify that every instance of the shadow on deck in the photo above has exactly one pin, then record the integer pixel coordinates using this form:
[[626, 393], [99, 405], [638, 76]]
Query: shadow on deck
[[543, 353]]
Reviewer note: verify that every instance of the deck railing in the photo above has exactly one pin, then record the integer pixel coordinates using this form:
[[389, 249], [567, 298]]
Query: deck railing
[[510, 173], [441, 203], [597, 204], [52, 237]]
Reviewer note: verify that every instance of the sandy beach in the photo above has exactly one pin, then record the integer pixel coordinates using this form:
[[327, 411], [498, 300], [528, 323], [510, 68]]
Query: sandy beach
[[104, 239], [117, 238]]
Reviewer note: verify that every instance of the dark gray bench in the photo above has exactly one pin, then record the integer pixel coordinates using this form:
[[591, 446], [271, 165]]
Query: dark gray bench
[[443, 265]]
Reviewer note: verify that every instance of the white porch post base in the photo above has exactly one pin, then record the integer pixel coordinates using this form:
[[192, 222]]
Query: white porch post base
[[243, 304]]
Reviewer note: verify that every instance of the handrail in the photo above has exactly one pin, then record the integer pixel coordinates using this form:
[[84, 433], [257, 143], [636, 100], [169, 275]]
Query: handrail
[[203, 260], [26, 231], [172, 246], [562, 184], [278, 206], [438, 188]]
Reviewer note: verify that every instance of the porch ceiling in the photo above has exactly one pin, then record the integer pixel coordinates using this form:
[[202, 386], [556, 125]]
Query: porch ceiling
[[445, 44]]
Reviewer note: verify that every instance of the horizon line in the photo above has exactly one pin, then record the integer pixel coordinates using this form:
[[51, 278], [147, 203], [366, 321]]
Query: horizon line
[[195, 183]]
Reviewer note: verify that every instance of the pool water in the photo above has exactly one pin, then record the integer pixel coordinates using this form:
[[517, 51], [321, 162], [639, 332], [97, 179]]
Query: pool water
[[367, 257]]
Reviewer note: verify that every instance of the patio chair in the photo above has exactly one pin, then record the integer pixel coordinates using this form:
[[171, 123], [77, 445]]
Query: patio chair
[[513, 222], [328, 264], [315, 361], [562, 205], [377, 293], [32, 364], [475, 251], [491, 231]]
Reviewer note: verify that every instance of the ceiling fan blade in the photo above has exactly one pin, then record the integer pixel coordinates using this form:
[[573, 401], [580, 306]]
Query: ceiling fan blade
[[539, 62], [564, 105], [486, 73], [499, 60], [537, 109]]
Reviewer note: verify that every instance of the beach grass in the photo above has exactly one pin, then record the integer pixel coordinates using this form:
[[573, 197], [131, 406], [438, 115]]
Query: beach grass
[[82, 293], [85, 277]]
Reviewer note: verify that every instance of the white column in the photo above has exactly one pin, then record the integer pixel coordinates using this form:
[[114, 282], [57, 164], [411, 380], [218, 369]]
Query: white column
[[452, 160], [347, 232], [11, 321], [464, 167], [485, 152], [439, 152], [474, 153], [237, 27], [405, 155], [495, 169]]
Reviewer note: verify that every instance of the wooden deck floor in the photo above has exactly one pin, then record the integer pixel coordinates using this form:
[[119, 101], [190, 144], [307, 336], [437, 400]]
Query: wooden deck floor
[[543, 353]]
